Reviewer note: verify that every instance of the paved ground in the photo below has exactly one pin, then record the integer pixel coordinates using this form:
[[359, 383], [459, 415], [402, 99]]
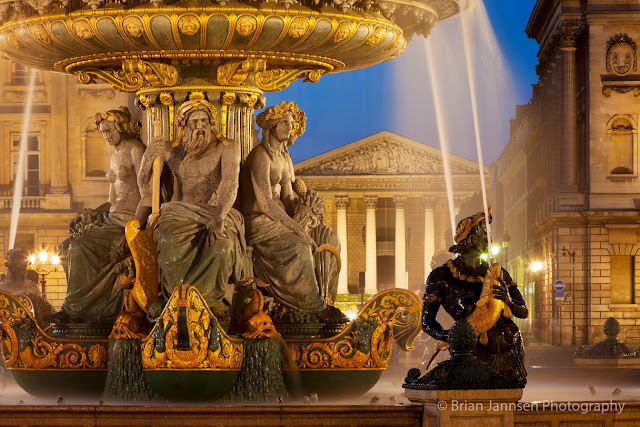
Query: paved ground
[[552, 376]]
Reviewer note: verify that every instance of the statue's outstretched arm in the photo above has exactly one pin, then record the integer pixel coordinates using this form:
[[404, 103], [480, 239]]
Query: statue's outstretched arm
[[518, 306], [429, 323]]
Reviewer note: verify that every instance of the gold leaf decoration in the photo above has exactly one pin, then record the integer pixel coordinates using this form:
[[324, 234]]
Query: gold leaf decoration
[[246, 25], [209, 346], [299, 27], [345, 30], [26, 346], [40, 33], [189, 25], [133, 26], [378, 35], [365, 343], [83, 29]]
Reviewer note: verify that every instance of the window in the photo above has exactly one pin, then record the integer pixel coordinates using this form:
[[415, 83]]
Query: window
[[622, 279], [96, 152], [621, 152], [20, 75], [32, 162]]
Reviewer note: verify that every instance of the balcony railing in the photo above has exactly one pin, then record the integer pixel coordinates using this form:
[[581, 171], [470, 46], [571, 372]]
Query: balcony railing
[[26, 203]]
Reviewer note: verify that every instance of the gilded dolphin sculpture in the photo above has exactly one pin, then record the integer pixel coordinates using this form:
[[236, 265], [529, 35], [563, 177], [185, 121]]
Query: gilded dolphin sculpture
[[487, 312]]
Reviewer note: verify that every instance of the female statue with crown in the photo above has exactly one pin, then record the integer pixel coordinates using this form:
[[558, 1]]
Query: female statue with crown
[[283, 248]]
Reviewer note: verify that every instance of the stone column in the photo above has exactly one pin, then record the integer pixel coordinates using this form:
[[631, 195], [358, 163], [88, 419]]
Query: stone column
[[401, 243], [429, 234], [570, 102], [371, 274], [59, 136], [342, 202]]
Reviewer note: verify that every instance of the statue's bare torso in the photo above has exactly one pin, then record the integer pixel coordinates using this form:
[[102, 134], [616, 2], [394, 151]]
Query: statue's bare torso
[[124, 194]]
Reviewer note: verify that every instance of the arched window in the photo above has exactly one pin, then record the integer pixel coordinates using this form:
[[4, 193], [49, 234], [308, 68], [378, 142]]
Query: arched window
[[97, 152], [622, 146]]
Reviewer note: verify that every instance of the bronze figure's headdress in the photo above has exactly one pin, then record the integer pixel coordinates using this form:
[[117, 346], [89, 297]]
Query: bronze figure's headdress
[[468, 224]]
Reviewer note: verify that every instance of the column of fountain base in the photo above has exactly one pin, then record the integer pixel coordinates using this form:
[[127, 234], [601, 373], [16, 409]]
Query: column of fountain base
[[234, 111]]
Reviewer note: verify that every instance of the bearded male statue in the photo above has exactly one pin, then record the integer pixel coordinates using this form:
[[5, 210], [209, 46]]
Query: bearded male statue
[[199, 236], [96, 255]]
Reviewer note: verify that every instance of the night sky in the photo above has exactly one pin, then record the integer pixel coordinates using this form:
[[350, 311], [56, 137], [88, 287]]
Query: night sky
[[344, 107]]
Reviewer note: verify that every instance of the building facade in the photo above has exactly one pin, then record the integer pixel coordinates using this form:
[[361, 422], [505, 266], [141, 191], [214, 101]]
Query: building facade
[[566, 185], [66, 159], [386, 197]]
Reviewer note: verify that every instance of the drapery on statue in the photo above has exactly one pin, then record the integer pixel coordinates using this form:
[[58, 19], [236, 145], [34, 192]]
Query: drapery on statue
[[199, 235], [283, 248], [16, 280], [96, 256], [457, 287]]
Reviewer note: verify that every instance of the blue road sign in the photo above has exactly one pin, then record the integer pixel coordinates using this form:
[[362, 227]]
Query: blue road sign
[[558, 285], [559, 296]]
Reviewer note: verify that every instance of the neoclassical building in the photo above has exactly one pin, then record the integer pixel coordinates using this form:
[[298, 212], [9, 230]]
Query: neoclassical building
[[566, 186], [386, 198]]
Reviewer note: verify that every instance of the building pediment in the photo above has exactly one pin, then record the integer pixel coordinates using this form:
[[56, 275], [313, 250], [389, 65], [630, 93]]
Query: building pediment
[[384, 153]]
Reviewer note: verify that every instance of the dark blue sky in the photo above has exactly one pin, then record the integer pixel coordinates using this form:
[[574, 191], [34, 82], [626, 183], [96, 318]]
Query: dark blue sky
[[345, 107]]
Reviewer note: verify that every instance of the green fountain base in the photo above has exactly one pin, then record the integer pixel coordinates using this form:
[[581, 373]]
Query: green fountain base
[[61, 383], [191, 386]]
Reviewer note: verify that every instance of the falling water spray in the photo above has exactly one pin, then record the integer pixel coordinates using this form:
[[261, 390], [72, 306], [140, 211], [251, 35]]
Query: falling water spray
[[19, 179], [442, 133], [466, 19]]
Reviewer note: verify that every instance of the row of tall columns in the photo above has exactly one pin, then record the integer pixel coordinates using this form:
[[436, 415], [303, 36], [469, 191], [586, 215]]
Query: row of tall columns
[[401, 243], [371, 279], [429, 234], [371, 264], [342, 203]]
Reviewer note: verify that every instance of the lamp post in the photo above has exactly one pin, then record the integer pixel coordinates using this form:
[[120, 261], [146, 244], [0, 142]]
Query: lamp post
[[535, 267], [43, 258], [572, 254]]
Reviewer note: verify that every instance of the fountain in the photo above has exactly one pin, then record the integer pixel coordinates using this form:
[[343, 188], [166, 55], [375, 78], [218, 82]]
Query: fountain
[[223, 55]]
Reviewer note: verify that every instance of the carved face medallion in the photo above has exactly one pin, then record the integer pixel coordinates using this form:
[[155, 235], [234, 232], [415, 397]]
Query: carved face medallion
[[133, 26], [82, 30], [378, 35], [246, 25], [189, 25], [345, 29], [298, 28], [40, 33], [13, 40]]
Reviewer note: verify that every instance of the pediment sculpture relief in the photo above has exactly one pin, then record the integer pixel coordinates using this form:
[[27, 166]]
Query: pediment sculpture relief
[[381, 157]]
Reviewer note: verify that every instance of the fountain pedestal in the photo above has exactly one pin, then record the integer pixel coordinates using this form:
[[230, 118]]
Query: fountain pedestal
[[494, 407]]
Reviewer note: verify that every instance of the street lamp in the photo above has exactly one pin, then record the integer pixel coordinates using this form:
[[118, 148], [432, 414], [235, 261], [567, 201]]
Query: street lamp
[[565, 252], [44, 257]]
